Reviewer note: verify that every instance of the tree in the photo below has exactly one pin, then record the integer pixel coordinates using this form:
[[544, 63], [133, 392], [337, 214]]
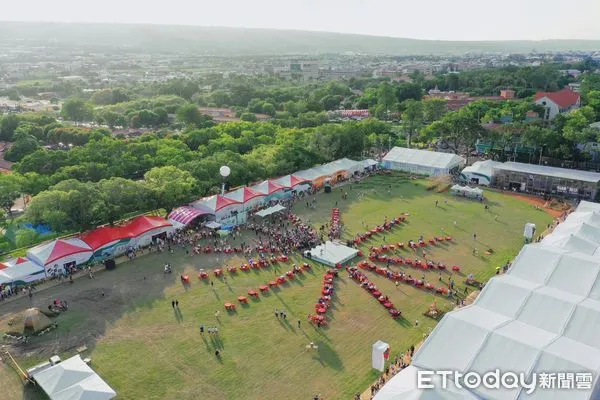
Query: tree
[[248, 117], [386, 96], [593, 100], [190, 114], [412, 118], [10, 190], [331, 102], [26, 237], [8, 125], [459, 129], [76, 110], [407, 91], [171, 186], [269, 109], [24, 144], [123, 196], [433, 109]]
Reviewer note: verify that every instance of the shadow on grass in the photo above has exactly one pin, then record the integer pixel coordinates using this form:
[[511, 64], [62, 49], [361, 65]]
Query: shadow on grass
[[327, 356], [178, 315], [403, 322]]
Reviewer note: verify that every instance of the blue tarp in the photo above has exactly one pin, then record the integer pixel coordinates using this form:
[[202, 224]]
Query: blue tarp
[[41, 229]]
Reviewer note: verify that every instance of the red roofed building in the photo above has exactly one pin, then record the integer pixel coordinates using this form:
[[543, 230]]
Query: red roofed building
[[563, 101]]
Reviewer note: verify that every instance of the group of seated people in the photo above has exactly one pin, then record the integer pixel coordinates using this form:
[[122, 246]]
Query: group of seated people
[[380, 228], [402, 277]]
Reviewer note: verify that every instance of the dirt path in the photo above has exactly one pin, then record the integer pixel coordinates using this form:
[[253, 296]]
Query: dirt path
[[535, 201], [102, 300]]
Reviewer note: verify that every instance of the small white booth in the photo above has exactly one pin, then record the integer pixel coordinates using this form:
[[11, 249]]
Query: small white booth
[[380, 353]]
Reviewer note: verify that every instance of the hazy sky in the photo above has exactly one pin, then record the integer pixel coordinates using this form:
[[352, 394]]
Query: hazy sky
[[422, 19]]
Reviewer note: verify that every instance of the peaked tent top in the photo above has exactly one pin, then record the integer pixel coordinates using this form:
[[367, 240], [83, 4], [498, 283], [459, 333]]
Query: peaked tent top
[[289, 181], [243, 194], [268, 187], [50, 252], [104, 235], [145, 223], [215, 203]]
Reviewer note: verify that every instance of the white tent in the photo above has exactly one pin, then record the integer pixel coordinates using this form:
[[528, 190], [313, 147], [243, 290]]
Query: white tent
[[369, 164], [73, 379], [331, 253], [466, 191], [480, 173], [21, 271], [271, 210], [422, 162], [403, 387], [588, 206]]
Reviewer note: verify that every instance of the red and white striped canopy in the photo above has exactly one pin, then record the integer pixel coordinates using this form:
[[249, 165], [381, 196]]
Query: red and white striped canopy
[[184, 215]]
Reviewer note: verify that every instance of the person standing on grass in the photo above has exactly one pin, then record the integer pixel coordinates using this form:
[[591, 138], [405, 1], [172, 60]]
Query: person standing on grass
[[177, 303], [173, 304]]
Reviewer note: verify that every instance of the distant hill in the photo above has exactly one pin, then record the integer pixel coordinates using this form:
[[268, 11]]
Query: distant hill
[[240, 41]]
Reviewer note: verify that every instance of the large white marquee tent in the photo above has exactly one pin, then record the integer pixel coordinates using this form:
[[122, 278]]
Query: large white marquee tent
[[422, 162], [542, 316], [73, 379], [480, 173]]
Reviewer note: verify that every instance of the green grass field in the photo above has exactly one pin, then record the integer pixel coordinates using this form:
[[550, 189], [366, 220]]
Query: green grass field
[[150, 353]]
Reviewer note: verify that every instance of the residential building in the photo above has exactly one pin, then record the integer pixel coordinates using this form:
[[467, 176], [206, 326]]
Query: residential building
[[555, 103]]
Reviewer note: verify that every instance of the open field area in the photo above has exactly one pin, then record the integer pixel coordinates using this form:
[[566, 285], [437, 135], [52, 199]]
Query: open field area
[[145, 350]]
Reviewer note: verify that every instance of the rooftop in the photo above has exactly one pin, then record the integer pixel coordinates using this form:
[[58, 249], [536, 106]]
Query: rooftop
[[575, 174], [565, 98]]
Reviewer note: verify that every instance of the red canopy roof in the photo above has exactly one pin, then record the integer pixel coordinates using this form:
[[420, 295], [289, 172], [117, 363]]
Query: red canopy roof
[[102, 236], [140, 225], [2, 266], [21, 260], [565, 98], [63, 248]]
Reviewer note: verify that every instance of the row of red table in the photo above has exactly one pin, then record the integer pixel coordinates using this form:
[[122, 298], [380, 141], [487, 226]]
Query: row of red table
[[324, 301], [394, 276], [358, 276], [381, 228]]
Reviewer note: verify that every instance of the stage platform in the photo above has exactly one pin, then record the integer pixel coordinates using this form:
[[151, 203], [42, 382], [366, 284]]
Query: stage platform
[[331, 253]]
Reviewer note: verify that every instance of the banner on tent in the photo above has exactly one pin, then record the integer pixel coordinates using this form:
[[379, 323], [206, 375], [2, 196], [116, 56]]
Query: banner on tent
[[234, 220]]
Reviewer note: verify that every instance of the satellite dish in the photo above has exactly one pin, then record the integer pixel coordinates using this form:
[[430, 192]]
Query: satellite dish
[[224, 171]]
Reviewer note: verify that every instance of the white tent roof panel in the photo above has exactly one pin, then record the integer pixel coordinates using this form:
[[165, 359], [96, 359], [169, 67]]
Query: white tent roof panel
[[541, 303], [543, 259], [588, 206], [575, 275], [73, 379], [431, 159], [586, 314], [574, 174], [505, 296]]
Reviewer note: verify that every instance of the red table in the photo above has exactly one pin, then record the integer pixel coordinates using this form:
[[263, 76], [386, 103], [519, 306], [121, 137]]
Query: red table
[[322, 310], [264, 288], [272, 283], [376, 293], [229, 306], [388, 305], [242, 299], [253, 293]]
